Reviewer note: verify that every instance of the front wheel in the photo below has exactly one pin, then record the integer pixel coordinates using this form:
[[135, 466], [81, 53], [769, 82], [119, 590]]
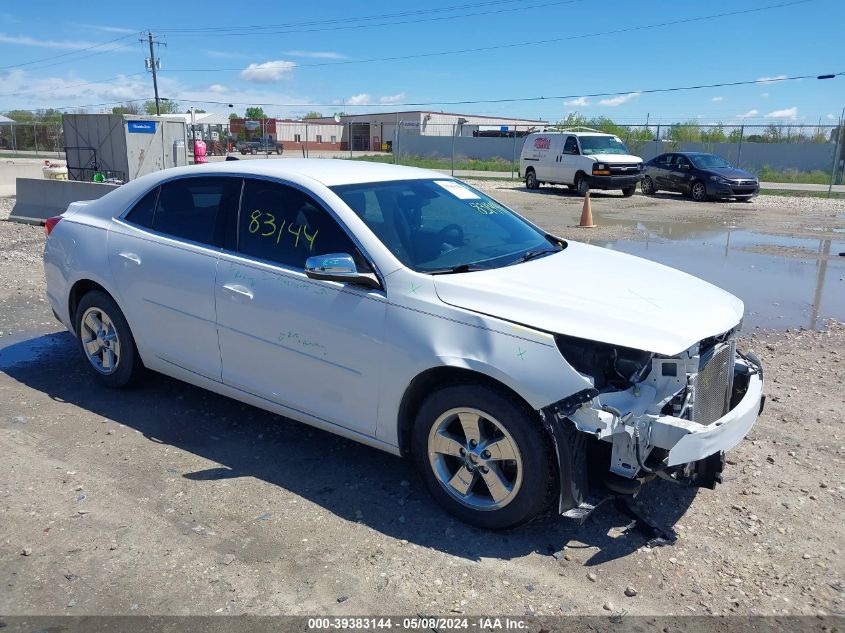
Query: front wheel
[[629, 191], [581, 185], [484, 456], [106, 341], [698, 191], [647, 186]]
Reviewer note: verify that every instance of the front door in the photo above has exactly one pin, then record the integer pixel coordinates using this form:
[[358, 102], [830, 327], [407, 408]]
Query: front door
[[312, 346], [163, 255], [680, 174]]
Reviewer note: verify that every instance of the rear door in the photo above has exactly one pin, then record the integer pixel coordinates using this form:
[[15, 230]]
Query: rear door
[[659, 171], [163, 254]]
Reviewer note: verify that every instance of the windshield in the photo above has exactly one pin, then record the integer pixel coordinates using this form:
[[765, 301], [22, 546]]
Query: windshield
[[709, 161], [438, 225], [602, 145]]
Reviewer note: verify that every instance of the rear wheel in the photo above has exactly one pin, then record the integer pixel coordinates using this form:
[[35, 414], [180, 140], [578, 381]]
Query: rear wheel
[[629, 191], [484, 456], [698, 191], [647, 186], [106, 341], [531, 180]]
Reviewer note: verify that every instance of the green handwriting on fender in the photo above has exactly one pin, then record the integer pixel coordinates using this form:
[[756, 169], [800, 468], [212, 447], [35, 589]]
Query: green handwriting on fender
[[292, 338], [264, 224]]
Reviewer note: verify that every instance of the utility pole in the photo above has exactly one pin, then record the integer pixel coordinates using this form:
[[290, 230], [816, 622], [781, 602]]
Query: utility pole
[[153, 68]]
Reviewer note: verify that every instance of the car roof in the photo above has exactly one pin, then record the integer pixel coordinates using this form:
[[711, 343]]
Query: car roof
[[328, 171]]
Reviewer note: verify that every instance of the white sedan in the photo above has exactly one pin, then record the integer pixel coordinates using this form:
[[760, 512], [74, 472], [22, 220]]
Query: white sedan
[[413, 313]]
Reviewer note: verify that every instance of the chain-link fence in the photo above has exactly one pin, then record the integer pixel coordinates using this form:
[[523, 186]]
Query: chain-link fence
[[31, 139], [776, 153]]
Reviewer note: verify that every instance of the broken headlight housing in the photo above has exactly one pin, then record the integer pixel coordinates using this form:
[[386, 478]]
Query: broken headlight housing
[[612, 367]]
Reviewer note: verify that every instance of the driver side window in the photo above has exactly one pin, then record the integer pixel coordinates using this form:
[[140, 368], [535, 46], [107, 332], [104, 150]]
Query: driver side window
[[571, 145]]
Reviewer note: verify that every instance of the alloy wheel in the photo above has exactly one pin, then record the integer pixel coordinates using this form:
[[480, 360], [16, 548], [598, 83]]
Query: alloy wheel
[[475, 459], [100, 340], [699, 192]]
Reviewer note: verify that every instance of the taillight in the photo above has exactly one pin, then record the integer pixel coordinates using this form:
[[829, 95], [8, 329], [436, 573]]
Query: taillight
[[50, 224]]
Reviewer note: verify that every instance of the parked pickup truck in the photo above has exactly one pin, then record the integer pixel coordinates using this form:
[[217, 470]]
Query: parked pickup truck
[[263, 146]]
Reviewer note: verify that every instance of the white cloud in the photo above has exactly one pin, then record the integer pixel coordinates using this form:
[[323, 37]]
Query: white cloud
[[217, 88], [268, 72], [73, 45], [831, 117], [579, 102], [786, 113], [617, 101], [769, 80], [108, 29], [315, 54], [361, 99], [717, 99], [764, 94], [748, 115], [389, 99]]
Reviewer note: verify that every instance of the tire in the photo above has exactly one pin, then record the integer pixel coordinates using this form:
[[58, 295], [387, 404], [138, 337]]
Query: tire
[[698, 191], [523, 486], [278, 152], [629, 191], [531, 180], [581, 185], [647, 186], [254, 151], [119, 364]]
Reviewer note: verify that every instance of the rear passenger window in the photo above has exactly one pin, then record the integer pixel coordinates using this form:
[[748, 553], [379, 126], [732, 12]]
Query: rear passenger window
[[284, 225], [142, 213], [196, 209]]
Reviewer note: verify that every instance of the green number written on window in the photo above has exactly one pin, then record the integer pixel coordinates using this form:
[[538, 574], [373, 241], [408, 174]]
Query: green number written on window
[[265, 225]]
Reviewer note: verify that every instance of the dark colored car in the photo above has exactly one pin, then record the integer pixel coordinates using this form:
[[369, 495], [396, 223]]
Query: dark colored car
[[700, 176]]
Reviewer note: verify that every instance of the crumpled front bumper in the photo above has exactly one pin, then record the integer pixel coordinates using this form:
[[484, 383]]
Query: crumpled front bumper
[[689, 441]]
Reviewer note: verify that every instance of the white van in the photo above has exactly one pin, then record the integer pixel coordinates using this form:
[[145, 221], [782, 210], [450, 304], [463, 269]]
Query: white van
[[582, 159]]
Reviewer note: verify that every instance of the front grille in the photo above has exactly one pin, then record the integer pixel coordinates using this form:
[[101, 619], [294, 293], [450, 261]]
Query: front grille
[[629, 169], [741, 191], [713, 383], [745, 183]]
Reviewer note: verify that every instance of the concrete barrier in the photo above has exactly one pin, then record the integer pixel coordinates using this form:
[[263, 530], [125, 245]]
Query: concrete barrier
[[39, 199], [11, 170]]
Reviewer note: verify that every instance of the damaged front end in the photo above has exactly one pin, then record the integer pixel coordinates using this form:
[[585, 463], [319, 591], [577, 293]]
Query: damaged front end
[[649, 415]]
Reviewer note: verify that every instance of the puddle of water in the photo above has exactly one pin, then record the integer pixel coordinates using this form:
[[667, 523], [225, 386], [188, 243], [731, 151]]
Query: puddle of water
[[26, 347], [779, 290]]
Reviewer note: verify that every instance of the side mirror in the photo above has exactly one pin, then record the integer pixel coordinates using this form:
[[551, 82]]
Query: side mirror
[[338, 267]]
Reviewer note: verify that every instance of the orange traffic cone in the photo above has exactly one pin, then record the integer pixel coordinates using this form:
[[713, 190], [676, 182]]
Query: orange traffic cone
[[587, 214]]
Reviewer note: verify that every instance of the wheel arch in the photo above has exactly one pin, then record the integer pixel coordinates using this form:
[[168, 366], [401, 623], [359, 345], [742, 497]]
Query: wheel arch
[[433, 378]]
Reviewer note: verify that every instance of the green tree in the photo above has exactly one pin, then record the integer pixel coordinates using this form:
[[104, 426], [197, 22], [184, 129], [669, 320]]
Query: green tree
[[255, 113], [128, 108], [735, 135], [313, 115], [234, 115], [686, 132], [714, 134], [21, 116], [166, 106]]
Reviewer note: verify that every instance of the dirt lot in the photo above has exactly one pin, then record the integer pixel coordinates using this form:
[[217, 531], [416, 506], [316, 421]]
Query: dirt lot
[[168, 500]]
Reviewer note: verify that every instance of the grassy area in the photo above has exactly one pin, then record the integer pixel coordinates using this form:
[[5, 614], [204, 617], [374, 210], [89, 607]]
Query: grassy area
[[817, 177], [801, 194], [494, 164]]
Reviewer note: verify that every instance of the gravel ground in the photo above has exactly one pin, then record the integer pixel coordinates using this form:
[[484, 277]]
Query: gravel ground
[[166, 499]]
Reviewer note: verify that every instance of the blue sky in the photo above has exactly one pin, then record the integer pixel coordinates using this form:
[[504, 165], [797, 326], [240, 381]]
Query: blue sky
[[285, 61]]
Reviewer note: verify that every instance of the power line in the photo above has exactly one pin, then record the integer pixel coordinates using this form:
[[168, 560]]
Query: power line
[[287, 30], [480, 49], [527, 99], [382, 16], [74, 52]]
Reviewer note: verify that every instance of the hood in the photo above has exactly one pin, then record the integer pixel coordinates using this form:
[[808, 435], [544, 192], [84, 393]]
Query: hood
[[731, 172], [600, 295], [615, 158]]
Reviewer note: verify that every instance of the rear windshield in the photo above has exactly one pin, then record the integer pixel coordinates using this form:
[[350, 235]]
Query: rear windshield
[[432, 225], [602, 145]]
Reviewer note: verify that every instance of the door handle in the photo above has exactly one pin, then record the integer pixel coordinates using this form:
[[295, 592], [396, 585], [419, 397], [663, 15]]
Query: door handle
[[132, 257], [238, 290]]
